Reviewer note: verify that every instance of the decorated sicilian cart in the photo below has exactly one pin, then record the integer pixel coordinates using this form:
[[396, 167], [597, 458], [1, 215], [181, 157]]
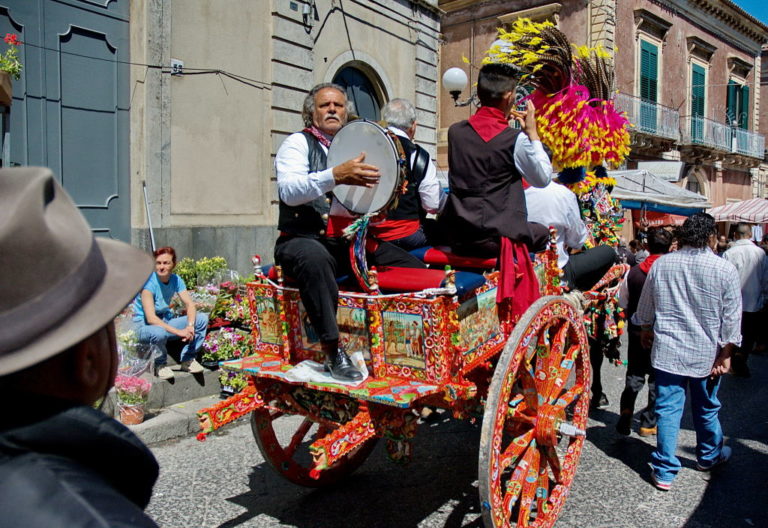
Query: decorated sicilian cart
[[427, 338]]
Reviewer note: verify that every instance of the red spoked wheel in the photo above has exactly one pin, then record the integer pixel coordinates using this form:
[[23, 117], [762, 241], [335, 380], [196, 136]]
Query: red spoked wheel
[[535, 417], [284, 442]]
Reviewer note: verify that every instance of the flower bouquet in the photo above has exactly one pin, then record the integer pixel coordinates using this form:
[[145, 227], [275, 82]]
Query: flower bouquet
[[132, 395], [232, 308], [224, 344]]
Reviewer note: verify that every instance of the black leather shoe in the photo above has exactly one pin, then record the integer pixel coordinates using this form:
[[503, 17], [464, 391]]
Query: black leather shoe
[[341, 367]]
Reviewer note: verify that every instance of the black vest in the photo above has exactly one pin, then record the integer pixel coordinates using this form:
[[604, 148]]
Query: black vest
[[311, 218], [486, 199], [408, 204]]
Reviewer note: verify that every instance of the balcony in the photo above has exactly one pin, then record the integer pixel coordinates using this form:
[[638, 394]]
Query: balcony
[[648, 117], [707, 133], [748, 143]]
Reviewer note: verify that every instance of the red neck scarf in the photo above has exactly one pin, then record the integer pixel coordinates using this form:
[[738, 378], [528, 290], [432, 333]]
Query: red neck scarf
[[645, 265], [489, 122], [322, 138]]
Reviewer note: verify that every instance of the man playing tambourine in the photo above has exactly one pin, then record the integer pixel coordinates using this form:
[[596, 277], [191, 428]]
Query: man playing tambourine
[[311, 250]]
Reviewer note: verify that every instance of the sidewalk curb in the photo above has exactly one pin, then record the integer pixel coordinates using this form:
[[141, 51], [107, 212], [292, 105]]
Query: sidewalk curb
[[176, 421]]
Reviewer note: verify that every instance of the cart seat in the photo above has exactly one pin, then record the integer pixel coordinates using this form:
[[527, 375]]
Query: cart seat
[[400, 280], [442, 255]]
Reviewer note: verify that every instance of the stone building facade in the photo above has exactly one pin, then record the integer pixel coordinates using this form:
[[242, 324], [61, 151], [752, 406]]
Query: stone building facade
[[687, 74], [204, 141]]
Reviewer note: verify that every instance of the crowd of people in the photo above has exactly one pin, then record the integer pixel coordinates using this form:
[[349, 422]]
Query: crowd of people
[[694, 307], [688, 308]]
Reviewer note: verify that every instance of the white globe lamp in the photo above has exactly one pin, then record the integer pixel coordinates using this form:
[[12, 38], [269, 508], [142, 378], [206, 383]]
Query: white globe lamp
[[455, 80]]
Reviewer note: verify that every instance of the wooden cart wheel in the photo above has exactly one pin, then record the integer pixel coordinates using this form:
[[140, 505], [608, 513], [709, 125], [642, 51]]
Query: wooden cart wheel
[[284, 443], [535, 417]]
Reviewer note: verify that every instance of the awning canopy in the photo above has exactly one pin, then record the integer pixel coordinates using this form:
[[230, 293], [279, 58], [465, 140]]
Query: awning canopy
[[639, 189], [754, 211]]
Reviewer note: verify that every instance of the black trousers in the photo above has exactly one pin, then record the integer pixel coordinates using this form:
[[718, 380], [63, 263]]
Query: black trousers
[[750, 325], [638, 367], [314, 264], [491, 247], [584, 269]]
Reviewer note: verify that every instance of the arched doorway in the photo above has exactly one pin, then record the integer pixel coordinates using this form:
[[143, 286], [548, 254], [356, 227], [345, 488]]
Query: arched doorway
[[361, 91]]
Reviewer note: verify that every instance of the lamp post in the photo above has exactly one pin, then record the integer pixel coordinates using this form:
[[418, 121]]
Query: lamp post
[[455, 80]]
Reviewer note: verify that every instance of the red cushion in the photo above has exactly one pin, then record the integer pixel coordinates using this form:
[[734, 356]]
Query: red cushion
[[443, 255], [408, 279]]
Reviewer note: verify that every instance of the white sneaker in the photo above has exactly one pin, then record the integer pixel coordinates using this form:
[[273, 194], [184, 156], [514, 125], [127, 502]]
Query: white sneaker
[[192, 366], [164, 372]]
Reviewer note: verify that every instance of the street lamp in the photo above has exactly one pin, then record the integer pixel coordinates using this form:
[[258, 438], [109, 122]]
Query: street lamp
[[455, 80]]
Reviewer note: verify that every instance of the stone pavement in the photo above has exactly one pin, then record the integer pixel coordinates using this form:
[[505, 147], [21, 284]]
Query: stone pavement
[[225, 483]]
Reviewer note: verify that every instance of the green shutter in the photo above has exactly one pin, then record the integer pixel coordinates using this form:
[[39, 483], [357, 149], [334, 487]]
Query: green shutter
[[744, 108], [731, 107], [698, 79], [649, 59]]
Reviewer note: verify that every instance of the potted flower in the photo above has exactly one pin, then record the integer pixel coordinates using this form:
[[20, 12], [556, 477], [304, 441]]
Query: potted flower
[[232, 382], [10, 66], [222, 345], [132, 395]]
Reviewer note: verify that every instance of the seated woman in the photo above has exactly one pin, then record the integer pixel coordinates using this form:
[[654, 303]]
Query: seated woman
[[154, 319]]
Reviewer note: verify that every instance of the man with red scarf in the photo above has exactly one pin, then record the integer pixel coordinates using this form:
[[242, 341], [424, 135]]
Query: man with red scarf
[[486, 214], [639, 357]]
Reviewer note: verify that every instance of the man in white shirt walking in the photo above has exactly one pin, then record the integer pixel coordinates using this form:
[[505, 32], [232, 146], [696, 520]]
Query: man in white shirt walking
[[752, 264], [690, 313]]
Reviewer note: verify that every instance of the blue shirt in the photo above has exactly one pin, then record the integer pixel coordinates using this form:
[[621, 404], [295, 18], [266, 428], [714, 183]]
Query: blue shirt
[[162, 293]]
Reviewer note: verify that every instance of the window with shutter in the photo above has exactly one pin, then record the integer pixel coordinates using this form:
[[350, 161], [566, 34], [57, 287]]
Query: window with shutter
[[731, 107], [649, 58], [744, 108], [698, 82]]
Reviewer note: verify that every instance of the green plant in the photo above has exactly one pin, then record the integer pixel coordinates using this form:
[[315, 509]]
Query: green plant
[[9, 61], [202, 271], [185, 269]]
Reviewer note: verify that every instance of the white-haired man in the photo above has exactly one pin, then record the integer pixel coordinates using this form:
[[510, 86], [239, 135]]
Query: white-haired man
[[423, 194]]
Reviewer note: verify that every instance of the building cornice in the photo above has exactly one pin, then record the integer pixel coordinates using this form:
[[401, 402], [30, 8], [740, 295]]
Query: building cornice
[[725, 19]]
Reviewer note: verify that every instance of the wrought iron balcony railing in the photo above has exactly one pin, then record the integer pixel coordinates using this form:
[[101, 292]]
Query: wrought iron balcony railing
[[649, 117], [702, 131], [748, 143]]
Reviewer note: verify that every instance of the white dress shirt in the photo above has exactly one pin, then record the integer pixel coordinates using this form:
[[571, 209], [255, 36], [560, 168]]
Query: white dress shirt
[[295, 184], [532, 162], [556, 205], [430, 191], [692, 299], [752, 264]]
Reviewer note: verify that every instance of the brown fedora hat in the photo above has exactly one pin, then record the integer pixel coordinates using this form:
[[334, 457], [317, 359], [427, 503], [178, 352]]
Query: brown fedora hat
[[58, 283]]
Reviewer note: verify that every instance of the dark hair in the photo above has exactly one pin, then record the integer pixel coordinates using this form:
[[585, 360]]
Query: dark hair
[[633, 243], [743, 230], [167, 250], [696, 230], [659, 240], [493, 81]]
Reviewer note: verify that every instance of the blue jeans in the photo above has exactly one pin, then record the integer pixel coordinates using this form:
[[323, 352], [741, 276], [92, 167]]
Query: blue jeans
[[670, 399], [158, 336]]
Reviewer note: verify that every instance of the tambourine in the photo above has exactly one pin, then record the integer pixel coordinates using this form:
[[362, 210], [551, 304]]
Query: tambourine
[[380, 151]]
